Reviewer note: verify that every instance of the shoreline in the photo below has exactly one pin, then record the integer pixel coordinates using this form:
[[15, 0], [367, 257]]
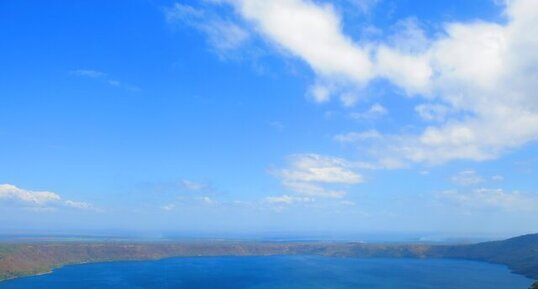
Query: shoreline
[[51, 271], [30, 275], [519, 254]]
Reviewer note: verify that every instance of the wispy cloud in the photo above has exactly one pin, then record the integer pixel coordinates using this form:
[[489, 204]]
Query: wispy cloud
[[277, 125], [312, 175], [476, 80], [223, 34], [186, 192], [467, 178], [78, 205], [353, 137], [168, 207], [365, 6], [192, 185], [497, 178], [375, 111], [38, 199], [287, 200], [105, 78], [194, 201], [206, 200], [88, 73], [433, 112], [492, 199]]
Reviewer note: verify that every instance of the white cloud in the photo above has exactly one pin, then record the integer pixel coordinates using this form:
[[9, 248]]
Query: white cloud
[[78, 205], [222, 34], [206, 200], [313, 189], [104, 77], [277, 125], [424, 172], [321, 169], [38, 199], [182, 12], [287, 200], [193, 186], [314, 175], [191, 194], [484, 71], [409, 37], [353, 137], [320, 93], [88, 73], [168, 207], [312, 32], [497, 178], [374, 112], [492, 199], [467, 178], [193, 201], [408, 71], [347, 203], [433, 112], [226, 35], [365, 6]]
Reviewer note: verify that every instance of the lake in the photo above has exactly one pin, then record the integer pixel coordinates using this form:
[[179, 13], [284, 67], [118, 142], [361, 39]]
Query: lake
[[277, 272]]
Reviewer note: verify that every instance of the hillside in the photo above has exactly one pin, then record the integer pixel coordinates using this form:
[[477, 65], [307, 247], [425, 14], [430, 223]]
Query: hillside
[[520, 254], [28, 259]]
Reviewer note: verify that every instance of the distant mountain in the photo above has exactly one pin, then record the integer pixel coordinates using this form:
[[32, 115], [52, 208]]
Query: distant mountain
[[520, 254]]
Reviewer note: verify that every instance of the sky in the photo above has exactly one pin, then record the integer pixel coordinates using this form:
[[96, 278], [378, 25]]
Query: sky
[[251, 117]]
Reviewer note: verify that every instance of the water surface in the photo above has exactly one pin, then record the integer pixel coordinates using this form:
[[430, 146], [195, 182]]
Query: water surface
[[281, 272]]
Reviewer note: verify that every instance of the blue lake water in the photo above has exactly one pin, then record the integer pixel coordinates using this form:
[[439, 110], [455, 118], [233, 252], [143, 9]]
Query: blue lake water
[[281, 272]]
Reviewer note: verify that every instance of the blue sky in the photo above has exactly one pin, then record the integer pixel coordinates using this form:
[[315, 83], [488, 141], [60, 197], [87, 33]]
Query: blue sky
[[253, 117]]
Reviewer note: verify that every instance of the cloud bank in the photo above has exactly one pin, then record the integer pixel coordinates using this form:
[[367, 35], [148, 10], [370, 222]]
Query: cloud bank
[[476, 80]]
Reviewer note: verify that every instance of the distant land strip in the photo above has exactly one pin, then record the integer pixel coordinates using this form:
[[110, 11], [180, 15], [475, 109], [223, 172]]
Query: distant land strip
[[520, 254]]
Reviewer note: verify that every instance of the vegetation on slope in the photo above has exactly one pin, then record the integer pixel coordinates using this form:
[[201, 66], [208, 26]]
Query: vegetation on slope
[[519, 254], [29, 259]]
